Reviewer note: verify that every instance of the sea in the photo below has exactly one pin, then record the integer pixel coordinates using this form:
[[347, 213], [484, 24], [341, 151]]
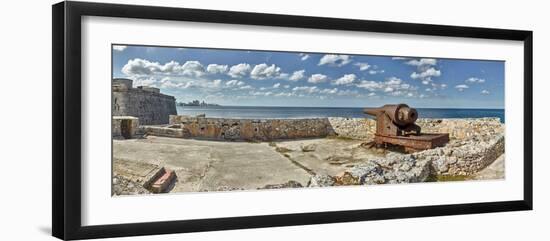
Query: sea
[[263, 112]]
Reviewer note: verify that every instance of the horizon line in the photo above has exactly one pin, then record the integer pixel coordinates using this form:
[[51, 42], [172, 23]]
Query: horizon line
[[220, 105]]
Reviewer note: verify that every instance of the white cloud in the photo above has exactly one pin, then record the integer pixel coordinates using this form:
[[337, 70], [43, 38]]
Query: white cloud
[[304, 57], [239, 70], [394, 81], [317, 78], [426, 75], [234, 83], [297, 75], [345, 80], [192, 68], [216, 69], [275, 86], [246, 87], [461, 87], [307, 89], [142, 67], [285, 94], [216, 83], [282, 76], [485, 92], [422, 62], [348, 93], [475, 80], [261, 93], [329, 91], [372, 71], [335, 60], [286, 86], [363, 66], [264, 71], [392, 86], [119, 47], [399, 58]]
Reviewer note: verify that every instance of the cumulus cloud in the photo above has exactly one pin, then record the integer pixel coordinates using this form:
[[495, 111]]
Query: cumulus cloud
[[399, 58], [304, 57], [421, 62], [234, 83], [239, 70], [297, 75], [216, 69], [475, 80], [373, 71], [485, 92], [275, 86], [307, 89], [426, 75], [461, 87], [335, 60], [329, 91], [362, 66], [216, 83], [284, 94], [119, 47], [354, 93], [264, 71], [392, 86], [425, 69], [246, 87], [144, 67], [317, 78], [345, 80]]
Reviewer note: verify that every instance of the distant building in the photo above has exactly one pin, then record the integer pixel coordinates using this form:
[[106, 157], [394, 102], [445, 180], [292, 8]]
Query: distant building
[[143, 102]]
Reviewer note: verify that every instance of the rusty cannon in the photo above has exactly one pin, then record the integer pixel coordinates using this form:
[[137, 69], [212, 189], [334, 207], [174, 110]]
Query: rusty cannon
[[395, 125]]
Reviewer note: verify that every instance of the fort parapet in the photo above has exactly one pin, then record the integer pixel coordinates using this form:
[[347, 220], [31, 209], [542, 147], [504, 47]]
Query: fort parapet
[[146, 103]]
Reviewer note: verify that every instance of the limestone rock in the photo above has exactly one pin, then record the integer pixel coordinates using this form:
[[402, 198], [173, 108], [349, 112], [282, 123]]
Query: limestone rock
[[321, 180], [363, 174], [289, 184]]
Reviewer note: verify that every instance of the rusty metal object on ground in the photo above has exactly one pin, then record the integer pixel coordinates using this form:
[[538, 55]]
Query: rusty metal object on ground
[[395, 124]]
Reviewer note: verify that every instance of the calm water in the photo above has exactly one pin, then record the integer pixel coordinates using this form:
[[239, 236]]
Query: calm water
[[252, 112]]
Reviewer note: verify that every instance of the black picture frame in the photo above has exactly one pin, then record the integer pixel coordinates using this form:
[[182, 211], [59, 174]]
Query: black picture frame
[[66, 127]]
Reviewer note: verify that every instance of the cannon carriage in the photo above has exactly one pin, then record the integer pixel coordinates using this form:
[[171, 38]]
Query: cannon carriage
[[395, 125]]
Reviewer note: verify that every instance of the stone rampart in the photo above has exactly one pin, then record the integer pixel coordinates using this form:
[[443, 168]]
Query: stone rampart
[[145, 103], [273, 129]]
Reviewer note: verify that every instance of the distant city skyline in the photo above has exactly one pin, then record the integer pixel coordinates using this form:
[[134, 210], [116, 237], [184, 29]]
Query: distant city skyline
[[268, 78]]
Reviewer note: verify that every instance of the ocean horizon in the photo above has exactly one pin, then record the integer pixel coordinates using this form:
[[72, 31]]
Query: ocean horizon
[[276, 112]]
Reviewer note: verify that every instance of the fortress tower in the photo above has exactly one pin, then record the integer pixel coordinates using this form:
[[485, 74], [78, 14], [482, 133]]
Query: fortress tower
[[143, 102]]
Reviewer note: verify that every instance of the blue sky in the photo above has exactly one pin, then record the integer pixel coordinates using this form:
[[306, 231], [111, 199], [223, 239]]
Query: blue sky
[[267, 78]]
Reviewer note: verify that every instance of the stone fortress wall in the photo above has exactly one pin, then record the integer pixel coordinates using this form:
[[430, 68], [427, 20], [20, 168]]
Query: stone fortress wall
[[146, 103], [275, 129]]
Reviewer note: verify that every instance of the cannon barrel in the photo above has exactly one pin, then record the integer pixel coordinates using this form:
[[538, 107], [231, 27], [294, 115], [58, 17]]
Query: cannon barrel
[[400, 114]]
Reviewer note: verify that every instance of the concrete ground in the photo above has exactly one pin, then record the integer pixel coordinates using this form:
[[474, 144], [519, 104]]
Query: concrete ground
[[220, 166], [210, 165]]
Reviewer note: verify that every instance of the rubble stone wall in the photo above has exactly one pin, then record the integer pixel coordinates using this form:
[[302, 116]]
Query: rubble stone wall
[[243, 129], [273, 129]]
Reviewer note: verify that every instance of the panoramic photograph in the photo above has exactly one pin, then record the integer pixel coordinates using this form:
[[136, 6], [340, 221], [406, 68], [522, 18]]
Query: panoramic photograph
[[187, 119]]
